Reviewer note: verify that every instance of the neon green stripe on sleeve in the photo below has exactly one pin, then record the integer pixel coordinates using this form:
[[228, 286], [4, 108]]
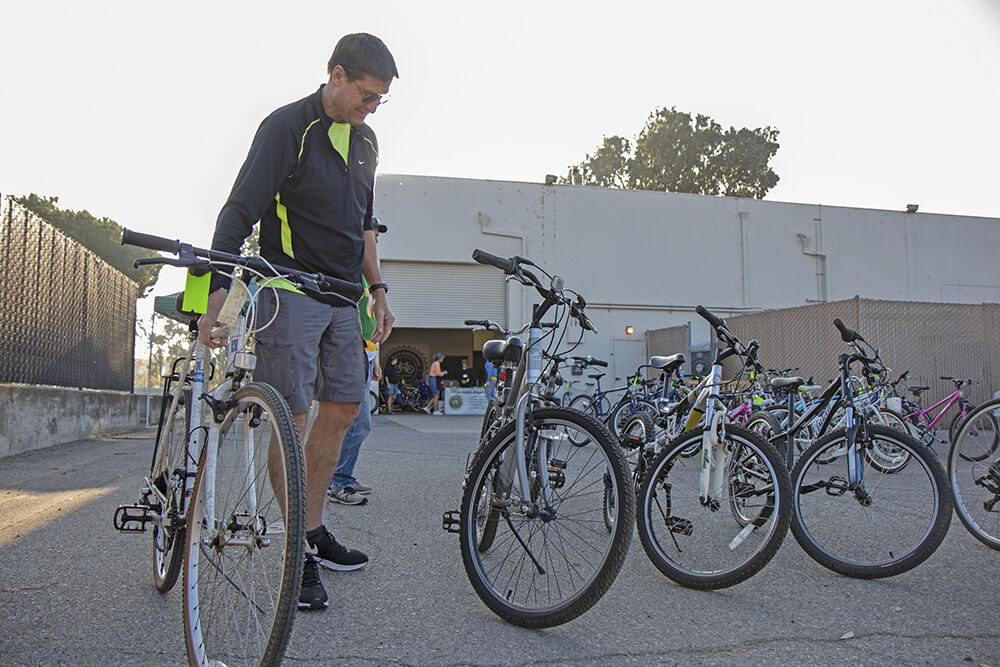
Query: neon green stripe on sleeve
[[286, 231]]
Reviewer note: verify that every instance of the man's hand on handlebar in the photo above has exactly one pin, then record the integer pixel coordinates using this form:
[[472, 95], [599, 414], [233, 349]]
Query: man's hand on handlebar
[[209, 320]]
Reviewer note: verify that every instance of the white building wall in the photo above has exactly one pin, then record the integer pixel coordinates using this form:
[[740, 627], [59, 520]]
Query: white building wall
[[645, 259]]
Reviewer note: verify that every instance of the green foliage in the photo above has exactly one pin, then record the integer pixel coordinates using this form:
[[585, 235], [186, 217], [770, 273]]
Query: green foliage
[[676, 152], [102, 236]]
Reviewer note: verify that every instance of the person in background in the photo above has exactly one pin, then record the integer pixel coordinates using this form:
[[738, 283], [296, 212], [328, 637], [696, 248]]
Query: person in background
[[344, 488], [434, 383], [491, 381], [465, 375], [392, 382]]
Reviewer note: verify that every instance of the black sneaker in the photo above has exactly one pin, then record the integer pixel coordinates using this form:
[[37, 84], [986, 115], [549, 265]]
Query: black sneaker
[[312, 595], [333, 555]]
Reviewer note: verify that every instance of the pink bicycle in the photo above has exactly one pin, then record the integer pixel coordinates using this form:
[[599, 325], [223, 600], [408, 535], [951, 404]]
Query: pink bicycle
[[922, 424]]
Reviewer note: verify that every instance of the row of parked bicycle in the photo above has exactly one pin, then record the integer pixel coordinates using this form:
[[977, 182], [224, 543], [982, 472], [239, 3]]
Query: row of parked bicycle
[[712, 476]]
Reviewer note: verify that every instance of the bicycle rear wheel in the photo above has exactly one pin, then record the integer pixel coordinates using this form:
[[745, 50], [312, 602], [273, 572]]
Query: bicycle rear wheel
[[720, 541], [549, 561], [882, 456], [170, 480], [245, 535], [974, 473], [889, 525]]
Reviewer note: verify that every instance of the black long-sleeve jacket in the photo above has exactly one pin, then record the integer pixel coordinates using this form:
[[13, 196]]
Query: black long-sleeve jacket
[[313, 206]]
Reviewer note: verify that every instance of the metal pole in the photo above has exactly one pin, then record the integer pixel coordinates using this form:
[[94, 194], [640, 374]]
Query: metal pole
[[149, 364]]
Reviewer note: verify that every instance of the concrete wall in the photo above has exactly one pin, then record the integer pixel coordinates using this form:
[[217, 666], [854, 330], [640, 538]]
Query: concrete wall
[[645, 259], [33, 417]]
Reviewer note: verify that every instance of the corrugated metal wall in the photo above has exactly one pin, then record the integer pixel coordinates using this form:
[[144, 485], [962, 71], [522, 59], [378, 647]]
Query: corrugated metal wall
[[928, 339], [66, 317], [438, 294]]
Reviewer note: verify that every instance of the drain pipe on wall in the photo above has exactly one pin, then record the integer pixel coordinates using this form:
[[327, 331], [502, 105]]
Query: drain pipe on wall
[[819, 255]]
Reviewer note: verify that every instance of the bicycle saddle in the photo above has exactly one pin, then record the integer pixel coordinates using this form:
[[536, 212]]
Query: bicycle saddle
[[596, 376], [918, 390], [667, 364], [503, 351], [789, 383], [179, 302]]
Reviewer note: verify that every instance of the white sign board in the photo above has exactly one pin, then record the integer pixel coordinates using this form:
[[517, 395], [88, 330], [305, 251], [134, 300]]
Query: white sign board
[[464, 401]]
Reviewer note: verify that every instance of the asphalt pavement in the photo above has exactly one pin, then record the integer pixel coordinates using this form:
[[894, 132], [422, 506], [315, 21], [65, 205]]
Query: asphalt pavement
[[74, 591]]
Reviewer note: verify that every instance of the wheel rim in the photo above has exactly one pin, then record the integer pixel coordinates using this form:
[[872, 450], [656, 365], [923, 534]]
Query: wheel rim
[[239, 585], [904, 503], [572, 548], [705, 540], [974, 473]]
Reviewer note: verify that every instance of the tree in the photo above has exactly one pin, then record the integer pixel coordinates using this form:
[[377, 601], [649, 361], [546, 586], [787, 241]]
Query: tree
[[676, 152], [102, 236]]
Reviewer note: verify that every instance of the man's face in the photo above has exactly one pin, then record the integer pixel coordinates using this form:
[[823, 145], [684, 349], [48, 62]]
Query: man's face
[[355, 98]]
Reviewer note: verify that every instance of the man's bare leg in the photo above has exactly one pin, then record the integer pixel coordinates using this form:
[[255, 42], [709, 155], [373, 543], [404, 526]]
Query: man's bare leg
[[322, 449]]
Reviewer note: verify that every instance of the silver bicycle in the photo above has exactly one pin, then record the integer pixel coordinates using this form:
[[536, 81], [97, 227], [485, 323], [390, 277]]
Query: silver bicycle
[[226, 491]]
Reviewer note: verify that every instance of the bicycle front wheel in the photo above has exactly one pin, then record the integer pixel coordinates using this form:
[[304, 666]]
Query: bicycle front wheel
[[170, 480], [550, 557], [974, 473], [720, 540], [245, 535], [889, 524]]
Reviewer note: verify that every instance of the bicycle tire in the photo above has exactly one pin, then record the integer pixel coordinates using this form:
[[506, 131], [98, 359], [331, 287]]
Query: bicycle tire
[[958, 422], [711, 545], [243, 569], [489, 515], [899, 527], [974, 474], [889, 460], [374, 402], [625, 410], [168, 544], [767, 425], [638, 431], [503, 576], [587, 405]]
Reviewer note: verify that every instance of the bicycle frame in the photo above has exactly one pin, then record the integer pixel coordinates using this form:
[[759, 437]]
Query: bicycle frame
[[951, 399]]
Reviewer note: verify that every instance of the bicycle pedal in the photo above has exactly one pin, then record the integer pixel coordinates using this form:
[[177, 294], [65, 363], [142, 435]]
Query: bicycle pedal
[[451, 522], [679, 525], [133, 518]]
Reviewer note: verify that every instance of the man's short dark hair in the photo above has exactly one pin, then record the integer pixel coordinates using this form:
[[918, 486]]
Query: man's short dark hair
[[360, 53]]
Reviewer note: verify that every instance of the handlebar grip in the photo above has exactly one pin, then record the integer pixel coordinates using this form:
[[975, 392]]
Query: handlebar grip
[[130, 237], [483, 257], [599, 362], [847, 335], [344, 288], [472, 323], [716, 322]]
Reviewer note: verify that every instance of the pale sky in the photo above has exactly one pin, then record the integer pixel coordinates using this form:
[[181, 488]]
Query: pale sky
[[145, 114]]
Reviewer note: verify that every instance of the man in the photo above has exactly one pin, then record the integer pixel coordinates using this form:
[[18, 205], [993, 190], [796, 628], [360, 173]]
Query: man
[[309, 178], [392, 382], [344, 487]]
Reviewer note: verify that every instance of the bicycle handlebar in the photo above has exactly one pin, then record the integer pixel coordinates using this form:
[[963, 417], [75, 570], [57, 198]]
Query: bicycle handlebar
[[483, 257], [151, 242], [189, 256]]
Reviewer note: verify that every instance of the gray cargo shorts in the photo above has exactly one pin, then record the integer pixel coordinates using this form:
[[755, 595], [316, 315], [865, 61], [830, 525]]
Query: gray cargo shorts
[[311, 351]]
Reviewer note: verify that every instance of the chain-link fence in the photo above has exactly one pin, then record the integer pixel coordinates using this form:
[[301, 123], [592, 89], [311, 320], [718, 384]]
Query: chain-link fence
[[928, 339], [672, 340], [66, 317]]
